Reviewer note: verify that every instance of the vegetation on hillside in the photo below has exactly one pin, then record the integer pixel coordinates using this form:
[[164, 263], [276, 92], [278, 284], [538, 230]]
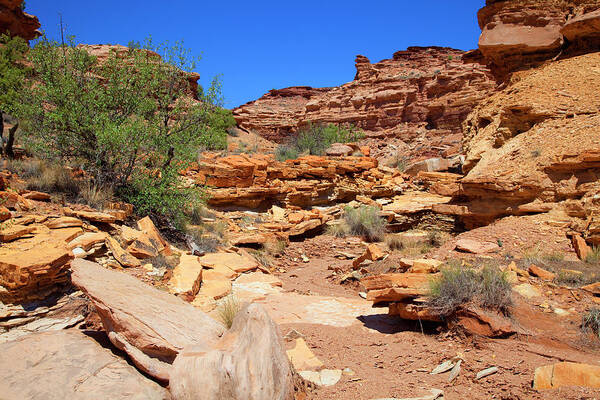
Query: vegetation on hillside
[[365, 221], [315, 139], [129, 122]]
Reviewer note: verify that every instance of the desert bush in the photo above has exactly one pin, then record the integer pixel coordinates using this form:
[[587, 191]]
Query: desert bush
[[398, 161], [395, 242], [457, 286], [275, 247], [572, 279], [365, 221], [198, 213], [206, 241], [408, 247], [286, 152], [337, 230], [94, 195], [227, 310], [594, 256], [436, 238], [129, 121], [52, 178], [590, 322], [316, 138]]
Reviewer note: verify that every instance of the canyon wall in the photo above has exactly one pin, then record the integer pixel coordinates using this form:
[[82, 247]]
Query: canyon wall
[[17, 22], [421, 87], [534, 146]]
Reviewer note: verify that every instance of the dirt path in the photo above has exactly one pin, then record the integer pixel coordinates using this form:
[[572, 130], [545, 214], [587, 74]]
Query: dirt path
[[392, 358]]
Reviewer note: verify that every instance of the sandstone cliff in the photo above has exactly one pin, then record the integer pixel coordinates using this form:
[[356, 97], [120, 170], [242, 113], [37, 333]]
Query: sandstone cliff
[[534, 146], [422, 87], [518, 34], [16, 22]]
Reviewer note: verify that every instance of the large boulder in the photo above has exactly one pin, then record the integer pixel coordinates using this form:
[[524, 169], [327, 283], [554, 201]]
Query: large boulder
[[248, 363], [69, 365], [152, 326], [561, 374]]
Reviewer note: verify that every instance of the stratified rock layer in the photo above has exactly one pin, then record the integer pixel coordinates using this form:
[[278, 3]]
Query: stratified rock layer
[[519, 34], [17, 22], [69, 365], [420, 87], [534, 146]]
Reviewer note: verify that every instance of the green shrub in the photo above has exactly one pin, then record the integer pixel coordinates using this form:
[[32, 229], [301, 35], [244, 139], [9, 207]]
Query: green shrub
[[365, 221], [338, 230], [128, 121], [457, 286], [286, 152], [52, 178], [590, 322], [316, 138]]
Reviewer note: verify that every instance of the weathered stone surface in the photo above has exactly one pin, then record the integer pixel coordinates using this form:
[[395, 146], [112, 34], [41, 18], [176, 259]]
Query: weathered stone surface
[[4, 214], [484, 323], [541, 273], [223, 373], [413, 312], [122, 256], [396, 287], [566, 374], [39, 196], [425, 266], [422, 86], [69, 365], [34, 267], [64, 222], [302, 358], [581, 248], [373, 253], [142, 247], [154, 322], [87, 240], [149, 229], [232, 261], [475, 246], [17, 22], [93, 216], [187, 276], [11, 232], [338, 150]]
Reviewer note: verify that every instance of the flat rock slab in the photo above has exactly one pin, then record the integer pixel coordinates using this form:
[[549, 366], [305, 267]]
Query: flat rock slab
[[155, 322], [287, 308], [232, 261], [69, 365]]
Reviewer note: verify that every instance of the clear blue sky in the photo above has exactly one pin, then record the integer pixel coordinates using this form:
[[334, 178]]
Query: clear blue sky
[[261, 45]]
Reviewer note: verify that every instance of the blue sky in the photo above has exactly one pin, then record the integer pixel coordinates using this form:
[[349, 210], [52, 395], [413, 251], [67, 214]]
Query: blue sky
[[261, 45]]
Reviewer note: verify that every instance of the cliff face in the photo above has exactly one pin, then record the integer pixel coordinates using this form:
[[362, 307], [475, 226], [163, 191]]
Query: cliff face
[[16, 22], [534, 146], [422, 87], [519, 34]]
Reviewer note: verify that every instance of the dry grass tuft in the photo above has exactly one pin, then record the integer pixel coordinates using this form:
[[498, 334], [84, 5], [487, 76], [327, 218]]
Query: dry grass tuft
[[228, 309]]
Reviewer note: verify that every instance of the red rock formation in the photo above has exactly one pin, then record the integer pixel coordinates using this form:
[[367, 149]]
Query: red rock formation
[[421, 87], [518, 34], [16, 22]]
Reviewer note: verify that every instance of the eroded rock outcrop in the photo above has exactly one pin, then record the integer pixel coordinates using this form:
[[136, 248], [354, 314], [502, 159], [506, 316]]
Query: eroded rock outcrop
[[248, 363], [518, 34], [258, 181], [534, 147], [69, 365], [17, 22], [421, 87]]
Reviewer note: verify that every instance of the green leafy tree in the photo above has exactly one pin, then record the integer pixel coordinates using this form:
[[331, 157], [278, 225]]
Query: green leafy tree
[[13, 72], [130, 119]]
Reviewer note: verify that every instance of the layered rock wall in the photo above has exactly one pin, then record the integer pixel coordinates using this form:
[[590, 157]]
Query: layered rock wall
[[422, 87], [518, 34], [17, 22]]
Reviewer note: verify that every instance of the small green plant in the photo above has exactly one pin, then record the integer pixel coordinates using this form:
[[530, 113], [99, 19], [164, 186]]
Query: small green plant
[[316, 138], [458, 286], [198, 213], [395, 242], [286, 152], [436, 238], [365, 221], [95, 196], [207, 242], [591, 322], [227, 310], [275, 247], [450, 57]]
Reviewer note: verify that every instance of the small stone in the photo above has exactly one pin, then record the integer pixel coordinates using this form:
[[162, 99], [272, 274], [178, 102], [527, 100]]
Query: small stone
[[487, 372]]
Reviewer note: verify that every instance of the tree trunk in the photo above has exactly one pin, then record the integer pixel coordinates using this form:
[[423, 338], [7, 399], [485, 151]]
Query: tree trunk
[[8, 149], [1, 133]]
